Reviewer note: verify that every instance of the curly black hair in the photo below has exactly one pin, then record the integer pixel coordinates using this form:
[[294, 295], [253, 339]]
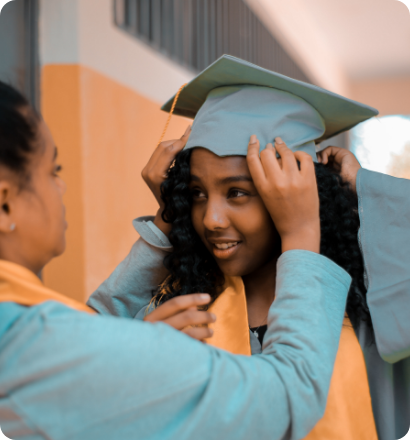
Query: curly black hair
[[193, 269]]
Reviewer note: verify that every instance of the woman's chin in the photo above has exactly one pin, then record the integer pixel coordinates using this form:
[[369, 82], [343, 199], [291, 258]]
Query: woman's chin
[[60, 248], [230, 270]]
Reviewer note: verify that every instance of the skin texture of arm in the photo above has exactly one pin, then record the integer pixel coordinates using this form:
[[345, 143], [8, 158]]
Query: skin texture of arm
[[70, 375]]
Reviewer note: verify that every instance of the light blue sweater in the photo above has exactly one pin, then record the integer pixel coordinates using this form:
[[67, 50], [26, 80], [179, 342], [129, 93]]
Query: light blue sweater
[[67, 375]]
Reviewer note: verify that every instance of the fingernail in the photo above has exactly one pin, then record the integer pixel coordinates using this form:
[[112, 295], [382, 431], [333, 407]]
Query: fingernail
[[187, 130], [270, 146], [279, 140], [254, 139], [205, 296], [213, 317]]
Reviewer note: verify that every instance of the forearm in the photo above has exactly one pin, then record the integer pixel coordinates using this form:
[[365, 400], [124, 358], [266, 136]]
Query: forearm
[[120, 376], [304, 326], [131, 286], [158, 221]]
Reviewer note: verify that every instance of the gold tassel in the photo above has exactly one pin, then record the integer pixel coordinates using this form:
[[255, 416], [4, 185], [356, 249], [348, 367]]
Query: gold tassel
[[155, 301], [171, 112]]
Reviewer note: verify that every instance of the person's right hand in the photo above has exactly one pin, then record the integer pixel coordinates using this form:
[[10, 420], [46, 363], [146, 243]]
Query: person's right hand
[[155, 172], [182, 314], [289, 193]]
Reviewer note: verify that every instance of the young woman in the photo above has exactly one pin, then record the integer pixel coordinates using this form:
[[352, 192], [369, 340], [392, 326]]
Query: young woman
[[68, 374], [222, 229]]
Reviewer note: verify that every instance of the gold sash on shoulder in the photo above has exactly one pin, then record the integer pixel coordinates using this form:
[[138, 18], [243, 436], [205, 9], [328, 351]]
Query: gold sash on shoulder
[[21, 286]]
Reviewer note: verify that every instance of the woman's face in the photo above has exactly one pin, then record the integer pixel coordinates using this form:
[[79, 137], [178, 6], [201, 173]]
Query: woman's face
[[228, 214], [37, 210]]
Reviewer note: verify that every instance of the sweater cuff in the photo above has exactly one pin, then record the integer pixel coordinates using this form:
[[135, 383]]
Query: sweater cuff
[[151, 234]]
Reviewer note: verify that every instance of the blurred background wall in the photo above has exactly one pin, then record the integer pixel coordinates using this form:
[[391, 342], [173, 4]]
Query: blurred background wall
[[99, 70]]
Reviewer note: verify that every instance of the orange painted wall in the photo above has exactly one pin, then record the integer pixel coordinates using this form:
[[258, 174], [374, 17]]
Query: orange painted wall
[[106, 133], [61, 102]]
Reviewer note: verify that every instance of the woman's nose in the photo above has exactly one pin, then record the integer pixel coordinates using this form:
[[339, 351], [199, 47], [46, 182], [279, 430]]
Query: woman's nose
[[63, 186], [215, 216]]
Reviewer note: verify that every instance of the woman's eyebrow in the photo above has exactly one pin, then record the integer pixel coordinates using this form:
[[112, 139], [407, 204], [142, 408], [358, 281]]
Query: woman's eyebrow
[[240, 178], [230, 179], [55, 153]]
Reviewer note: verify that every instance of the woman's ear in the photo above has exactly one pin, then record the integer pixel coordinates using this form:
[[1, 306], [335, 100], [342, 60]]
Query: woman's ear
[[7, 224]]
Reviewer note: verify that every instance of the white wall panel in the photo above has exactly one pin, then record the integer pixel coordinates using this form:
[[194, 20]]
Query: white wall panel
[[83, 31]]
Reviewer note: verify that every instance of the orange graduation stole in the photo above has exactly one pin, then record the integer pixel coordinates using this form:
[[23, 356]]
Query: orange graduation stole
[[21, 286], [348, 414], [231, 331]]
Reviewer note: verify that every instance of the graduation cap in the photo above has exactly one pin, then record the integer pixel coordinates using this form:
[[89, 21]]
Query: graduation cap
[[233, 99]]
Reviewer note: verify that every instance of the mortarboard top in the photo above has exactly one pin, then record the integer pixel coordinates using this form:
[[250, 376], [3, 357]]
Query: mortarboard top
[[338, 113]]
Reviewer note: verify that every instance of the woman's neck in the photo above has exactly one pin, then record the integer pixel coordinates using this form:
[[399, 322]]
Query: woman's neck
[[260, 292]]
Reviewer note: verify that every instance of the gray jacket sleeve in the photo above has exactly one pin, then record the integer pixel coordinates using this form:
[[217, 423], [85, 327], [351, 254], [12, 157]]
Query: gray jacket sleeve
[[68, 375], [384, 209], [131, 286]]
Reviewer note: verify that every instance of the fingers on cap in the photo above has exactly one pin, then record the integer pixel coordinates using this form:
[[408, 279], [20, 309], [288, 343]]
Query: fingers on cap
[[303, 156], [305, 159], [282, 149], [187, 132], [253, 140]]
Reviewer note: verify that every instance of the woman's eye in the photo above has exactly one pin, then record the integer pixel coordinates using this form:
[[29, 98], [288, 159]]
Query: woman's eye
[[197, 194], [236, 193], [57, 169]]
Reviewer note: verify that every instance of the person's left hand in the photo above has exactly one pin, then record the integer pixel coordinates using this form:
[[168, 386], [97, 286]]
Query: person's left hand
[[343, 161], [182, 314]]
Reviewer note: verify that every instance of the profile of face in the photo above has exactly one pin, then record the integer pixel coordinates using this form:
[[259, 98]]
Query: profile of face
[[229, 215], [32, 219]]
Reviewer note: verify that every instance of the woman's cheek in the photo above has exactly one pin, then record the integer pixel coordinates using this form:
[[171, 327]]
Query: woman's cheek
[[197, 221], [258, 229], [252, 219]]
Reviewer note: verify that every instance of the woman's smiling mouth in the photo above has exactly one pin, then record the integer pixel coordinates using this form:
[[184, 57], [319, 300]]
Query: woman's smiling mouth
[[224, 250], [224, 246]]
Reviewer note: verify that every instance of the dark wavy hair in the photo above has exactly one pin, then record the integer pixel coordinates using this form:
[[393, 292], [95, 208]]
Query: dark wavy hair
[[193, 269]]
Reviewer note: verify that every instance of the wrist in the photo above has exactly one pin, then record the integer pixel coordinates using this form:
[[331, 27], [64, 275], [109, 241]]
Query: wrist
[[307, 239], [160, 224], [349, 174], [354, 180]]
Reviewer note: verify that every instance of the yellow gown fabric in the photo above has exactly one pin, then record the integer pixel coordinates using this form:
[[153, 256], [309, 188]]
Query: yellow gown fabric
[[21, 286], [348, 414]]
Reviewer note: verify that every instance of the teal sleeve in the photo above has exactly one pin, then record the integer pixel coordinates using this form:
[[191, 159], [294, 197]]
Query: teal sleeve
[[131, 286], [311, 293], [68, 375], [384, 236]]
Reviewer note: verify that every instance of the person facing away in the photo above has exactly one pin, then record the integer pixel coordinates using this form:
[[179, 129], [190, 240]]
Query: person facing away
[[67, 373], [223, 229]]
